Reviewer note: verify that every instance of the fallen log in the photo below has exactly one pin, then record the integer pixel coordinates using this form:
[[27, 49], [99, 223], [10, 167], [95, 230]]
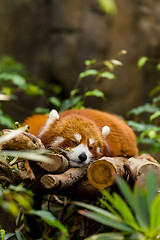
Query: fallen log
[[101, 173], [64, 180], [138, 167]]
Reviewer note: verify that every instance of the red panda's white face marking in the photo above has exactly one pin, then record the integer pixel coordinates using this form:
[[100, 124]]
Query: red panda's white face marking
[[76, 137], [79, 155]]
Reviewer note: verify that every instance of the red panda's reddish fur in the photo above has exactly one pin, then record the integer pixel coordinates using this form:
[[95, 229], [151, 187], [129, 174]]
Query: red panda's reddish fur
[[121, 139]]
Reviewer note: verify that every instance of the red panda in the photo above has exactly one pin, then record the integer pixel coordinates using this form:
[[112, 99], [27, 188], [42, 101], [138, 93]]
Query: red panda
[[85, 135]]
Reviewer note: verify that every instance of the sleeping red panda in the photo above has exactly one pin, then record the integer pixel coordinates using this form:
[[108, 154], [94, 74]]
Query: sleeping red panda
[[85, 135]]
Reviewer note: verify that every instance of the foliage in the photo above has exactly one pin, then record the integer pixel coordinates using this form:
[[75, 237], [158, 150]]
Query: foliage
[[108, 6], [134, 216], [13, 79], [147, 126], [17, 199]]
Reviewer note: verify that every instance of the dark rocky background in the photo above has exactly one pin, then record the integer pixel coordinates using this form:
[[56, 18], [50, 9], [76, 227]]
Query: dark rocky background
[[53, 38]]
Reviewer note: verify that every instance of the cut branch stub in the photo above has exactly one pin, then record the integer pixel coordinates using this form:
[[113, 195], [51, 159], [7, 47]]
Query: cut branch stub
[[22, 141], [101, 173], [59, 164], [138, 168], [64, 180]]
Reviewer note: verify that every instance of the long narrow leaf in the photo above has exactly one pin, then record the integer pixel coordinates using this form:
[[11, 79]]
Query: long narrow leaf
[[108, 222], [98, 210], [126, 213], [141, 208], [155, 215], [151, 188], [106, 236]]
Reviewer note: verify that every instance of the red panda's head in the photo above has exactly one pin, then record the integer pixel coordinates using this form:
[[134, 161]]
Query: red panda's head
[[77, 138]]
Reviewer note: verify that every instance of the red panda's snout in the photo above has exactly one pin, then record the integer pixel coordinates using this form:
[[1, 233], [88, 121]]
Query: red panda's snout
[[79, 155]]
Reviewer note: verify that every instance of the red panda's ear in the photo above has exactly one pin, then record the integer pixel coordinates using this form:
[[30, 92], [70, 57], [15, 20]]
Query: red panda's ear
[[105, 131], [53, 116]]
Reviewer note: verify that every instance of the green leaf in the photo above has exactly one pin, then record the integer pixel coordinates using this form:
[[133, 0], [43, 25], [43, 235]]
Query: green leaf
[[126, 192], [116, 62], [50, 219], [19, 235], [89, 72], [143, 109], [141, 62], [154, 115], [108, 6], [106, 236], [90, 62], [8, 236], [107, 221], [95, 93], [141, 208], [158, 67], [154, 91], [151, 188], [108, 75], [42, 110], [2, 234], [126, 213], [74, 92], [156, 99], [155, 215], [55, 101], [98, 210]]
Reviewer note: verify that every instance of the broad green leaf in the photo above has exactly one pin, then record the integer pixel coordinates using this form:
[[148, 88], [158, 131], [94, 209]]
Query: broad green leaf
[[74, 92], [143, 109], [141, 62], [116, 62], [154, 91], [9, 235], [155, 215], [107, 221], [55, 101], [42, 110], [90, 62], [156, 99], [108, 75], [95, 93], [33, 90], [154, 115], [158, 67], [19, 235], [50, 219], [151, 188], [2, 234], [109, 64], [6, 121], [108, 6], [89, 72]]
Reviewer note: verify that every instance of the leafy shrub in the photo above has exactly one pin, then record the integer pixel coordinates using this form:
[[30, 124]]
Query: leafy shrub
[[134, 216]]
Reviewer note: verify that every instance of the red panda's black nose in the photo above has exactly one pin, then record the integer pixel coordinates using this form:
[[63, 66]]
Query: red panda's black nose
[[82, 157]]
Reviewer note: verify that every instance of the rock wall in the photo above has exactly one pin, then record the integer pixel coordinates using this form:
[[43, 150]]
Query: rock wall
[[53, 38]]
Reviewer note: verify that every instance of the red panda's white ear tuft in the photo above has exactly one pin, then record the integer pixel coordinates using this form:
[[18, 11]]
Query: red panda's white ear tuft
[[53, 116], [105, 131]]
